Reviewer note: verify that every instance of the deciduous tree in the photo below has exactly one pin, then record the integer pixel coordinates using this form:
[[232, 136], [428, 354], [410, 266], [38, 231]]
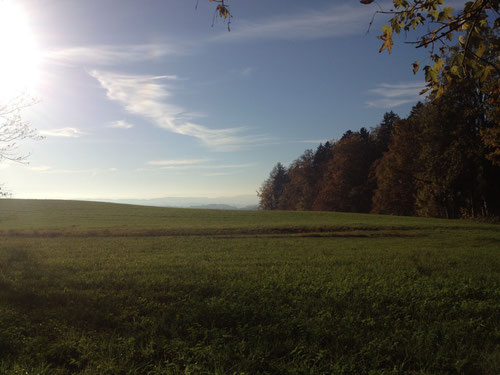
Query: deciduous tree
[[345, 185], [456, 179], [397, 170], [471, 33], [13, 128]]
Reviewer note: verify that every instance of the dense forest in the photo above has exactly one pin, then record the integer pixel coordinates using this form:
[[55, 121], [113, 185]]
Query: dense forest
[[440, 161]]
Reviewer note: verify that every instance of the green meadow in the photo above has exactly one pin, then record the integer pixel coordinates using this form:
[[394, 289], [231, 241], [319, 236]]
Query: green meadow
[[100, 288]]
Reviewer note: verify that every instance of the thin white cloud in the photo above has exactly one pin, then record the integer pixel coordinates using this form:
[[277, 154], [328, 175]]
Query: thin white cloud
[[398, 90], [51, 170], [165, 163], [192, 165], [147, 96], [111, 54], [120, 124], [337, 20], [40, 168], [62, 132], [333, 21], [207, 167], [217, 174], [393, 95]]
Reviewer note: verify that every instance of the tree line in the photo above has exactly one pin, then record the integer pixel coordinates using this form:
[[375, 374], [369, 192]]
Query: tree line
[[440, 161]]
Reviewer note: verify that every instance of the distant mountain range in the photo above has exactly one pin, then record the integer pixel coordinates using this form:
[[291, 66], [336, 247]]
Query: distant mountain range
[[240, 202]]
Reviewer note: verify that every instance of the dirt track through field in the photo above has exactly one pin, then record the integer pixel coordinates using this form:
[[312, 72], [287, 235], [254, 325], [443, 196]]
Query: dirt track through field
[[276, 232]]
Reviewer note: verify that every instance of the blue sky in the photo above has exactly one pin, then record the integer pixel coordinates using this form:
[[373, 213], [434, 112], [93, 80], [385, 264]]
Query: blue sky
[[145, 99]]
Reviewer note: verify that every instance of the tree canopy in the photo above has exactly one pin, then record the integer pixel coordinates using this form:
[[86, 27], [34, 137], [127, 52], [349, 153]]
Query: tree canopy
[[432, 163], [462, 43]]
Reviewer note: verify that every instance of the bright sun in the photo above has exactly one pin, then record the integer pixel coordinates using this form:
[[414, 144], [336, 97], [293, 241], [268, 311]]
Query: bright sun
[[19, 55]]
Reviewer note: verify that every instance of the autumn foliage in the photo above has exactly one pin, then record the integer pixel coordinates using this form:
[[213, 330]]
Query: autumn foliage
[[432, 163]]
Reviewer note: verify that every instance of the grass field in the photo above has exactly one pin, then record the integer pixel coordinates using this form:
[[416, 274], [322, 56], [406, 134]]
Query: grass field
[[98, 288]]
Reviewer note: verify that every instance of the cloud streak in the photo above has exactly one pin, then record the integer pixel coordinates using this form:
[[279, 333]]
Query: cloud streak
[[111, 54], [45, 169], [147, 96], [120, 124], [333, 21], [165, 163], [201, 165], [393, 95], [208, 167], [63, 132]]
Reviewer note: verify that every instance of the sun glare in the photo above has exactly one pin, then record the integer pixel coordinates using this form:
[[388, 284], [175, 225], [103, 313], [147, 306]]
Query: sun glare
[[19, 55]]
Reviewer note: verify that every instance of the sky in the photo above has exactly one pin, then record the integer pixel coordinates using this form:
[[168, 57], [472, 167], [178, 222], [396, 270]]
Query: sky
[[147, 99]]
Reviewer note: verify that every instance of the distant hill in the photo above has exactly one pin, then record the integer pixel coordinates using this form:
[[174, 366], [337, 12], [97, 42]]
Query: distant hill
[[239, 202]]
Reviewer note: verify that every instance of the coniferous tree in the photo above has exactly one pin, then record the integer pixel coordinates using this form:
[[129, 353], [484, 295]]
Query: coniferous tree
[[322, 157], [299, 190], [271, 192], [382, 133]]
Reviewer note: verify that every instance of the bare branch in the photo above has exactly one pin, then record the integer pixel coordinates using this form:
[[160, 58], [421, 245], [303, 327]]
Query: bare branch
[[13, 129]]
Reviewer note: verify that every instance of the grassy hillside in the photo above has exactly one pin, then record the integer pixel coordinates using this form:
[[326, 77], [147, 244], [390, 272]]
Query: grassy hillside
[[97, 288], [80, 216]]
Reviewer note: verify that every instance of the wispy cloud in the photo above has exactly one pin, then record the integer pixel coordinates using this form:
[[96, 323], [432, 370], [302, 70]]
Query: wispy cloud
[[45, 169], [40, 168], [62, 132], [120, 124], [208, 167], [393, 95], [332, 21], [200, 165], [165, 163], [111, 54], [147, 96]]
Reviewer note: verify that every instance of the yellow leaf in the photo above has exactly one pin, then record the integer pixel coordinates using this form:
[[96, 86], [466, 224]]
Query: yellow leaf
[[387, 38], [416, 66], [438, 92], [387, 44], [480, 50]]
